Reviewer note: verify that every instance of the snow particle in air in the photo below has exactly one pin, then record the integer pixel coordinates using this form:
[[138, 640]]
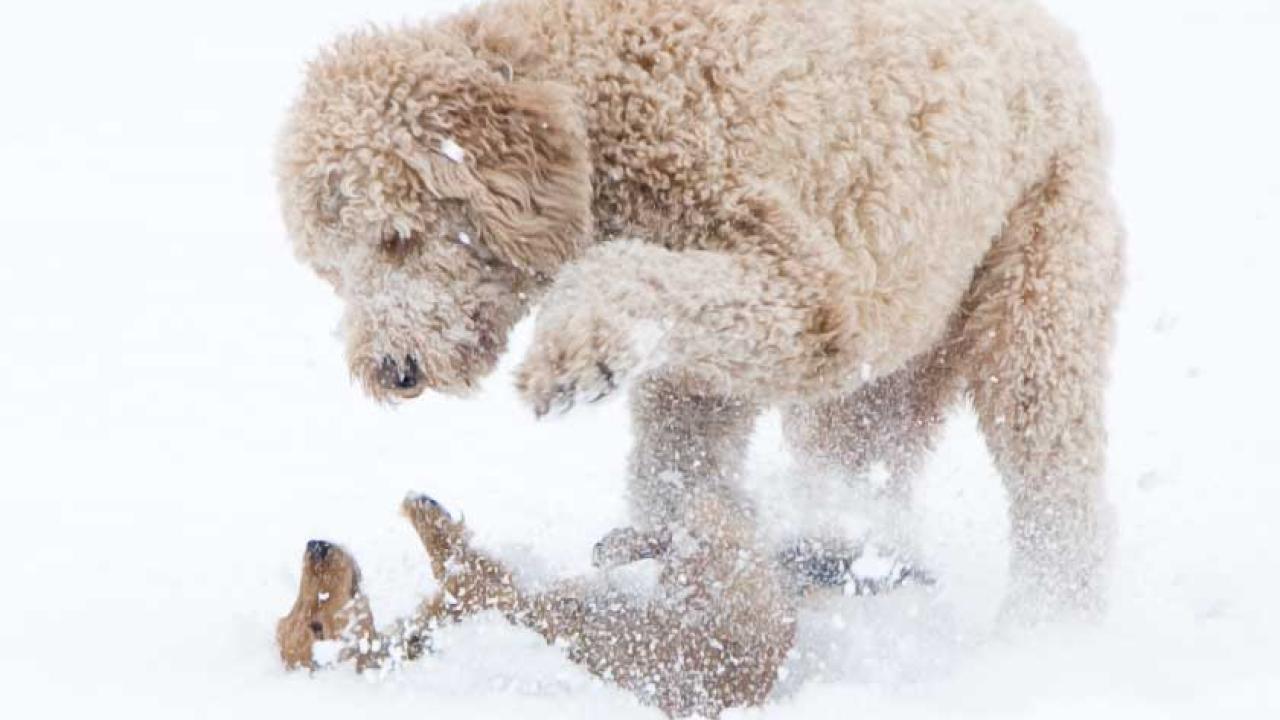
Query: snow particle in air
[[452, 150]]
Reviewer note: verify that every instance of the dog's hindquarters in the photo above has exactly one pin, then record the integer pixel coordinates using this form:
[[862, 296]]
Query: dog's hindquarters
[[1037, 333]]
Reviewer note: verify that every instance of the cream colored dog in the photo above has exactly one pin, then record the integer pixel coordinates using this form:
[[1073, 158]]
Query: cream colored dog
[[855, 210]]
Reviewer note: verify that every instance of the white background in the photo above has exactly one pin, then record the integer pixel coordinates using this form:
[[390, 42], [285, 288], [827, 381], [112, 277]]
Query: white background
[[176, 420]]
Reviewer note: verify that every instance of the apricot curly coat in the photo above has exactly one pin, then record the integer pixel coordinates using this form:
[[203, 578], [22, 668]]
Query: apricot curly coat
[[855, 210]]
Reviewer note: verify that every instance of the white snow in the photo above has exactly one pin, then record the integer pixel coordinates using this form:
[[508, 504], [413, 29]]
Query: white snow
[[176, 419], [878, 475], [326, 652], [452, 150], [874, 563]]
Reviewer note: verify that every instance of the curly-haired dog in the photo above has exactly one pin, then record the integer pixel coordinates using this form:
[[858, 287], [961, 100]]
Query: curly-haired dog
[[711, 637], [858, 211]]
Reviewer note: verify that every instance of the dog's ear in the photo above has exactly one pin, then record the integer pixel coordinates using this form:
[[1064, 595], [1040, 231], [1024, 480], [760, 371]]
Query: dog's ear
[[517, 153]]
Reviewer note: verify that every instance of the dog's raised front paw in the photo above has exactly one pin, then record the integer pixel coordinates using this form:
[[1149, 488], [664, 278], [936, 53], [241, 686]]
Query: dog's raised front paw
[[580, 360]]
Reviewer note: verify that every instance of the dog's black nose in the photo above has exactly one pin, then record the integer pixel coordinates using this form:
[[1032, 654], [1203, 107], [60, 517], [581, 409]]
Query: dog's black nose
[[409, 379], [318, 549], [401, 375]]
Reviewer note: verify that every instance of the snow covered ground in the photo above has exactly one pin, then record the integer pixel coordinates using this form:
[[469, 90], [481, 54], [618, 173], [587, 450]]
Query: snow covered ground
[[175, 418]]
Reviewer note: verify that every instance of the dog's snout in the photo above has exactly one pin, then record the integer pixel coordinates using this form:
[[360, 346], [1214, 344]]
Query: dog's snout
[[402, 375], [318, 549]]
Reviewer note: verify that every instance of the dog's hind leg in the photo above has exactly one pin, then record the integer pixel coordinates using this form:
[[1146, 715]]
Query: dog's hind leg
[[470, 581], [892, 421], [877, 439], [1039, 328]]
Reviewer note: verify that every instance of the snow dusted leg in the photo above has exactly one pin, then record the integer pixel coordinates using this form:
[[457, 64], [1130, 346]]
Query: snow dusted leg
[[682, 441], [470, 582], [710, 335], [879, 437], [1039, 331]]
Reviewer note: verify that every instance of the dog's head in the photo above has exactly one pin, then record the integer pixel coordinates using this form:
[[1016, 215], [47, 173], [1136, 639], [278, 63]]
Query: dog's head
[[330, 614], [437, 195]]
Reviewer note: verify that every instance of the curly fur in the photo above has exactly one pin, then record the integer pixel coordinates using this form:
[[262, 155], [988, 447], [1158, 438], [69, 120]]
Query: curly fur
[[856, 210]]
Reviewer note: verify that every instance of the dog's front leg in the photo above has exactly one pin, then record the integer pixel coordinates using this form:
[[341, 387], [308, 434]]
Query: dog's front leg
[[756, 325], [711, 335], [684, 440]]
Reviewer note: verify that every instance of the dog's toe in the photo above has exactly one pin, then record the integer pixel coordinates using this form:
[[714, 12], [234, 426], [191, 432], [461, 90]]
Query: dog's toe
[[421, 503]]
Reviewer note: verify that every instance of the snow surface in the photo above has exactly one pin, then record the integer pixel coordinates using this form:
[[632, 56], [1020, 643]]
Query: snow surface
[[175, 418], [452, 150]]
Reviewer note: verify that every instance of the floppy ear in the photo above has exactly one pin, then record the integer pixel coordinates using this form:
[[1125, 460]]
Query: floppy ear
[[517, 153]]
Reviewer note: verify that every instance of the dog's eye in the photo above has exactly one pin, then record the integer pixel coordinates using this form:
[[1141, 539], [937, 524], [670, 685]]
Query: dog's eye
[[398, 244], [482, 253], [331, 200]]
